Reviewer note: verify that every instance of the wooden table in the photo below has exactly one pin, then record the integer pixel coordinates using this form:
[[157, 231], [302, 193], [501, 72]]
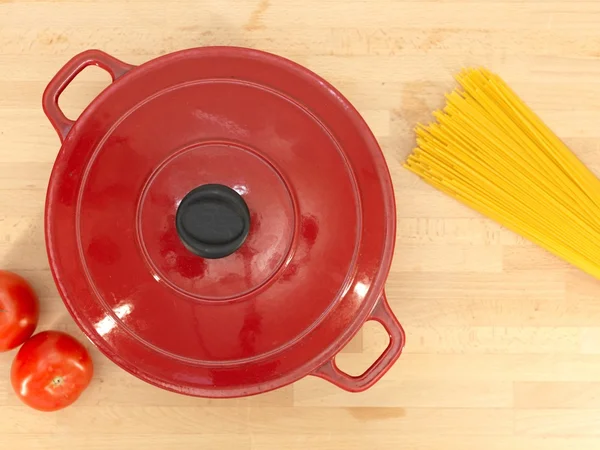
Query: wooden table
[[503, 344]]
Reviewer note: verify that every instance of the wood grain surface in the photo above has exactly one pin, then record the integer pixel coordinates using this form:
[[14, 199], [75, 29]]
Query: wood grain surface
[[503, 346]]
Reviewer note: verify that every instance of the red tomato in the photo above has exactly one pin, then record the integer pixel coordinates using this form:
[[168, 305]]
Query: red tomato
[[19, 310], [51, 370]]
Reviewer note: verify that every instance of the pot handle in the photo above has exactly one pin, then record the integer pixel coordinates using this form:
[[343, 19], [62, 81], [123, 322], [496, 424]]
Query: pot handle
[[384, 315], [70, 70]]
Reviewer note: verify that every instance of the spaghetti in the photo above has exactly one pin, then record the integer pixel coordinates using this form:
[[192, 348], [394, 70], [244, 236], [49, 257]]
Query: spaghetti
[[494, 154]]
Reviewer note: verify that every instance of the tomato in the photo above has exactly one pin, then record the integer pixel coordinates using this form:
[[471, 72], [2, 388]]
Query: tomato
[[19, 310], [51, 370]]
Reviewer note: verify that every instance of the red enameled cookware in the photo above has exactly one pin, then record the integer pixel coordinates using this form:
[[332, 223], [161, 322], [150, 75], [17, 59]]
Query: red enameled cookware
[[220, 222]]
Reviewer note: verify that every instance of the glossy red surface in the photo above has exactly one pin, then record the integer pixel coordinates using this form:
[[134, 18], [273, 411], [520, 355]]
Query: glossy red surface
[[313, 266]]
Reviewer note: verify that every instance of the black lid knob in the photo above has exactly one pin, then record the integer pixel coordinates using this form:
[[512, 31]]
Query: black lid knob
[[213, 221]]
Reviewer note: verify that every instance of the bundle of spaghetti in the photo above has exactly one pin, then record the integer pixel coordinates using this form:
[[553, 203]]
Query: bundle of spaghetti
[[490, 151]]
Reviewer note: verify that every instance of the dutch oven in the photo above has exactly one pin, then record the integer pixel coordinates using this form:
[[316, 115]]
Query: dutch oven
[[220, 222]]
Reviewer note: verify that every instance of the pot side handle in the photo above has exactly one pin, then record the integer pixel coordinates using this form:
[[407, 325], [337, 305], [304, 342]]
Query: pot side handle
[[384, 315], [70, 70]]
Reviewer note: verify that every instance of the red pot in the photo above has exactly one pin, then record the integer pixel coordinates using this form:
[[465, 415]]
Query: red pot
[[220, 222]]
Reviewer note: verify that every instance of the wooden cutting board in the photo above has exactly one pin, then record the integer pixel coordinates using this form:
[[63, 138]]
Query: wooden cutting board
[[503, 346]]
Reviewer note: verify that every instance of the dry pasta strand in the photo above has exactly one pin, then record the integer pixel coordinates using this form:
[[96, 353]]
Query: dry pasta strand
[[490, 151]]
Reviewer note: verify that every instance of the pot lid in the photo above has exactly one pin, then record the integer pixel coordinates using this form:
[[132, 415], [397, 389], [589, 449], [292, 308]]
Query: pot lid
[[220, 221]]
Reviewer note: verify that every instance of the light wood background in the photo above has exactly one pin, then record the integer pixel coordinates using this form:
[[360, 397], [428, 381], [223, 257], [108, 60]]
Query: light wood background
[[503, 344]]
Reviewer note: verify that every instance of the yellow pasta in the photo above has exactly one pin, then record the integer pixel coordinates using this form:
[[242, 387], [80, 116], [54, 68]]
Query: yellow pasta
[[490, 151]]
